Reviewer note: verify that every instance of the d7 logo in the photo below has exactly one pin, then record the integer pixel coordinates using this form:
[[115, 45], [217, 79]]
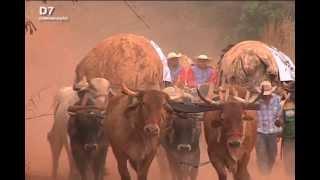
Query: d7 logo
[[46, 11]]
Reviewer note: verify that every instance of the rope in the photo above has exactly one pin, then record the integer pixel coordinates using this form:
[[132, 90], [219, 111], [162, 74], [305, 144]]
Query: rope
[[136, 14]]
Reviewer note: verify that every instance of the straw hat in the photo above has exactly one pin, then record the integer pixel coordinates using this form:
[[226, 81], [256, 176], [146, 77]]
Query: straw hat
[[268, 89], [203, 57], [172, 55]]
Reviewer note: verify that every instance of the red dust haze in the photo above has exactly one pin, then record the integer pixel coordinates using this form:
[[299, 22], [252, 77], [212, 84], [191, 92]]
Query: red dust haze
[[53, 51]]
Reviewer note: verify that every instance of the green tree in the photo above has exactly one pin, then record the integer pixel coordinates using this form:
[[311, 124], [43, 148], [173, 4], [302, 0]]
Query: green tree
[[255, 15]]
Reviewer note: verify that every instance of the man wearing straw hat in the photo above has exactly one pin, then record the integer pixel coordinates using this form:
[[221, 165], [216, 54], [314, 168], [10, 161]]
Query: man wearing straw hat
[[198, 74], [174, 65], [267, 131]]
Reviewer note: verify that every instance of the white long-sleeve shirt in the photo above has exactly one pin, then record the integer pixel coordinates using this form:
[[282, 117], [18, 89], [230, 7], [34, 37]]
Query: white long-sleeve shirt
[[166, 70], [286, 67]]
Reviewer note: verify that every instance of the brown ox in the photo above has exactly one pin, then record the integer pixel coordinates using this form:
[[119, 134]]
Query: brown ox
[[230, 133], [133, 127]]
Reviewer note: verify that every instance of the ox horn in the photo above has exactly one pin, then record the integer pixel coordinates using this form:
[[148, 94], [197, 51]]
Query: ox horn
[[227, 95], [247, 95], [208, 101], [248, 99], [127, 91], [236, 97], [84, 78], [252, 101], [286, 84], [285, 100], [180, 94], [168, 107]]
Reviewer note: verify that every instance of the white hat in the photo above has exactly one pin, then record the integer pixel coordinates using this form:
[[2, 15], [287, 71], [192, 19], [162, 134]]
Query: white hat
[[203, 57], [268, 89], [172, 55]]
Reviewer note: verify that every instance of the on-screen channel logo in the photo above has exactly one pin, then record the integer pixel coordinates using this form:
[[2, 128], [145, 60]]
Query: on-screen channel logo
[[46, 14]]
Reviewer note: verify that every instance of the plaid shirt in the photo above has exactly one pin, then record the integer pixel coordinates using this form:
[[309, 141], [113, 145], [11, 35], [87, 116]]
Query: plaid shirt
[[268, 114]]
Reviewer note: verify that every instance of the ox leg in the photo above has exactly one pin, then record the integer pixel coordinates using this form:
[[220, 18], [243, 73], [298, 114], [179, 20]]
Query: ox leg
[[180, 174], [56, 145], [194, 173], [72, 172], [144, 167], [242, 171], [105, 168], [99, 163], [80, 162], [219, 166], [122, 164], [163, 163], [173, 168]]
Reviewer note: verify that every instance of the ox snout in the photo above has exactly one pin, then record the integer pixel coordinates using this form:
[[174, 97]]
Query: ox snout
[[234, 144], [90, 147], [152, 129], [184, 147], [234, 141]]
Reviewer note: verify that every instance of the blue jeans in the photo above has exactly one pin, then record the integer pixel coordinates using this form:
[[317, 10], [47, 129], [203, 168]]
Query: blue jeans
[[266, 151]]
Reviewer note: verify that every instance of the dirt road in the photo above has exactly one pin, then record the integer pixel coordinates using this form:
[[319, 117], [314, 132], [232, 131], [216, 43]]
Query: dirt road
[[38, 155]]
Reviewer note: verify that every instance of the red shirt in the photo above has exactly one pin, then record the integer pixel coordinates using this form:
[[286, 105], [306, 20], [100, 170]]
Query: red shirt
[[193, 77]]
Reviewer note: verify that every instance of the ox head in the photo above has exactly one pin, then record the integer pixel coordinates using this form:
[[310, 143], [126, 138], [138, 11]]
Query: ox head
[[152, 107], [87, 129], [100, 88], [231, 119], [184, 134]]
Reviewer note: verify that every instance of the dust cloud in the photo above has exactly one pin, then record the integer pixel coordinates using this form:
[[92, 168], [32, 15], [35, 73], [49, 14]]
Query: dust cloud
[[54, 50]]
